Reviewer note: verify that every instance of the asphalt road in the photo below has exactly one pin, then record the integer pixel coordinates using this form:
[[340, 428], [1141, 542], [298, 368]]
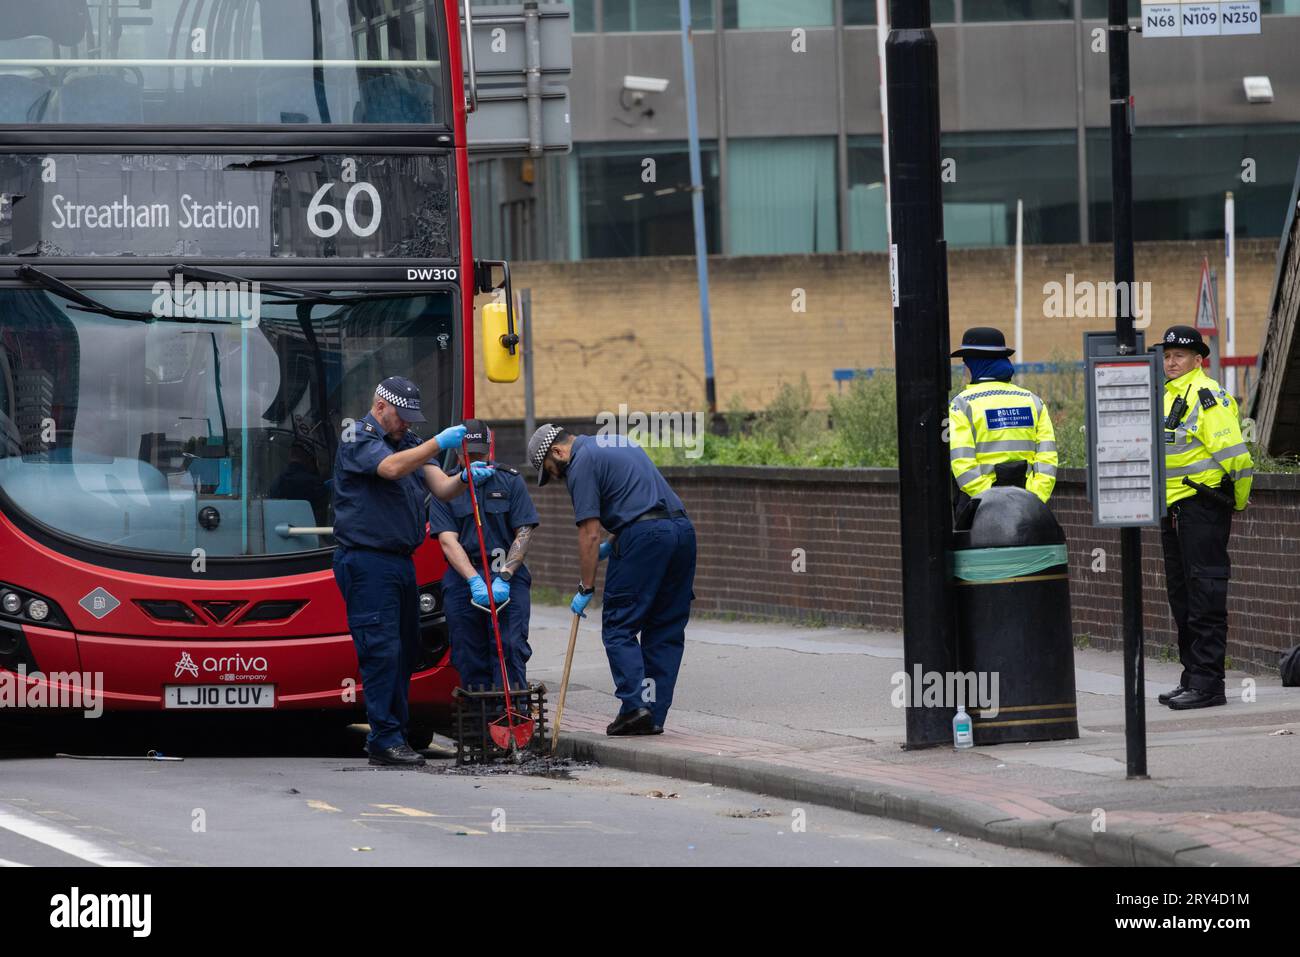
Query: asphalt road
[[273, 794]]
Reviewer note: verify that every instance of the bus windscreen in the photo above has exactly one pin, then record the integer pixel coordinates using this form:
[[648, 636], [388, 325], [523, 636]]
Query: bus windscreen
[[165, 436], [124, 63]]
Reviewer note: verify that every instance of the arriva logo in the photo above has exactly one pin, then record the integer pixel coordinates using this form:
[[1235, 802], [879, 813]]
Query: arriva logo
[[229, 663], [235, 663], [186, 664]]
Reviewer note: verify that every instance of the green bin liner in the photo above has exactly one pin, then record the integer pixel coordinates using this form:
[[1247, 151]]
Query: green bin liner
[[997, 564]]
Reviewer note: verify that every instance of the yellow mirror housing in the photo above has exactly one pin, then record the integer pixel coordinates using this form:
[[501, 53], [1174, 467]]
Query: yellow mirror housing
[[500, 365]]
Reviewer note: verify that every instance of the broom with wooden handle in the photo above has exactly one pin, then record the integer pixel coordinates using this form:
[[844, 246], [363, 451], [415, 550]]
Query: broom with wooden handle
[[564, 682]]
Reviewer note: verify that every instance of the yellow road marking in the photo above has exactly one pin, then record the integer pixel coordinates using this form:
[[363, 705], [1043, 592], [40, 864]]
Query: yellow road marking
[[322, 806], [398, 809]]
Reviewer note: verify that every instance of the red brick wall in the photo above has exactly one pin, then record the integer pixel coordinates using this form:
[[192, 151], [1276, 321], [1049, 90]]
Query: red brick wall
[[750, 521]]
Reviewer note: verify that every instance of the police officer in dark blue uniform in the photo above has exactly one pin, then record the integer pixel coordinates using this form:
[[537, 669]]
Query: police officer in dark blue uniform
[[613, 483], [509, 519], [382, 474]]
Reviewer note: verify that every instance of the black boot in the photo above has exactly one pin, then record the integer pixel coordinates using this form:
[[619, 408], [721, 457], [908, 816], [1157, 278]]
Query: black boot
[[1171, 693], [1191, 698], [639, 721]]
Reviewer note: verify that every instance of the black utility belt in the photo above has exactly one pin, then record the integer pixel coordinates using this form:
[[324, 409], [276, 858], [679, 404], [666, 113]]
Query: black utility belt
[[400, 553], [657, 513], [1221, 494]]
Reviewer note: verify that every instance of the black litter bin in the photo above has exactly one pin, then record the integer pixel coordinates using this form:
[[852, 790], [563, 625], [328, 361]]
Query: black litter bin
[[1012, 586]]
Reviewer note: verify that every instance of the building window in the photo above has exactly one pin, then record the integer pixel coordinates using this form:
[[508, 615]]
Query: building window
[[868, 231], [643, 16], [775, 14], [584, 16], [990, 11], [634, 199], [1100, 9], [1180, 175], [863, 12], [991, 172], [782, 195]]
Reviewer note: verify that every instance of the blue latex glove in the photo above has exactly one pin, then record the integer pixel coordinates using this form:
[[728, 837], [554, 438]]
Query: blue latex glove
[[500, 590], [450, 438], [478, 591], [480, 471], [579, 604], [605, 549]]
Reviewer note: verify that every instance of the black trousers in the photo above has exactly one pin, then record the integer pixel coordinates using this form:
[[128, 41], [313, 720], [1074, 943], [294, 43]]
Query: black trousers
[[1197, 568]]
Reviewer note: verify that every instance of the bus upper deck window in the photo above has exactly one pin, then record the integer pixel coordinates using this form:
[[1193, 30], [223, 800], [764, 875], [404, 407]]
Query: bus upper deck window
[[63, 21]]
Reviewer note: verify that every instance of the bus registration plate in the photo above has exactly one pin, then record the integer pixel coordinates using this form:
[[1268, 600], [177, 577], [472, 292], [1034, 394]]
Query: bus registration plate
[[211, 697]]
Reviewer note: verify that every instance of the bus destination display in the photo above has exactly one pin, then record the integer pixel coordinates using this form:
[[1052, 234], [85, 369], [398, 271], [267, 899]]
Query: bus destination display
[[225, 207]]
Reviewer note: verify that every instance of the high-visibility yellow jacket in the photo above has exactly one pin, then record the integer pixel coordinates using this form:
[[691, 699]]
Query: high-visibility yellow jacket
[[1207, 443], [993, 422]]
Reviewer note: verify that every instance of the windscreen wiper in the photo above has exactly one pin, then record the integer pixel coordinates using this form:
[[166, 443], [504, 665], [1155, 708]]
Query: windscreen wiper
[[291, 293], [85, 303], [286, 294]]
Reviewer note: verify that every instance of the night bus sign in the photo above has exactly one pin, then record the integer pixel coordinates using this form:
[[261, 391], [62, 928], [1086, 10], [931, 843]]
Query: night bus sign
[[226, 206], [1195, 18]]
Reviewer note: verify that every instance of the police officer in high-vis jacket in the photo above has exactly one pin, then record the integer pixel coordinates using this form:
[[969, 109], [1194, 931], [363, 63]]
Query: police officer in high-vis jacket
[[999, 433], [509, 519], [382, 475], [1208, 474], [613, 484]]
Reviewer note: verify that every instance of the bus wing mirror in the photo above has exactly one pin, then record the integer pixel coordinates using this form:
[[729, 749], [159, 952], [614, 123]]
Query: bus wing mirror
[[501, 342]]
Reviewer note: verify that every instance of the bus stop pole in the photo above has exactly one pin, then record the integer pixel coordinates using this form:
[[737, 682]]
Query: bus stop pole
[[919, 277], [1130, 539], [526, 331], [697, 204]]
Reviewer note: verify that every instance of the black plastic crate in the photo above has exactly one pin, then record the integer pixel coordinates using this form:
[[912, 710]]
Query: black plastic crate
[[476, 709]]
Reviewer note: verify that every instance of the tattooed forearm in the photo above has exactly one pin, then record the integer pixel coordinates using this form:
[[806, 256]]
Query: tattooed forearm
[[519, 548]]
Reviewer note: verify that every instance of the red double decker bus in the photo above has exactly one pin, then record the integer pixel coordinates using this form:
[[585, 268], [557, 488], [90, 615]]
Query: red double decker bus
[[222, 222]]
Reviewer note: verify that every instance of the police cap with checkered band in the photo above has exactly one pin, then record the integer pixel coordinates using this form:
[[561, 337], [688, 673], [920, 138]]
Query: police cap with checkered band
[[538, 446], [1185, 337], [403, 395]]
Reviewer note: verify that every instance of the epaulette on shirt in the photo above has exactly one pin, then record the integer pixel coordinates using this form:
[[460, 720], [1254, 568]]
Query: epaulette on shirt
[[1208, 400], [369, 427], [504, 468]]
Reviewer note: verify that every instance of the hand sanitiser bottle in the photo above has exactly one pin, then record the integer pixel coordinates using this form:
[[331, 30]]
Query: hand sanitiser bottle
[[961, 729]]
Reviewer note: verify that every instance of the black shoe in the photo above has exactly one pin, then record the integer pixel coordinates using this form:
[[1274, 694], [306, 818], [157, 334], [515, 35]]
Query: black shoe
[[651, 729], [401, 756], [1191, 698], [640, 721], [1172, 693]]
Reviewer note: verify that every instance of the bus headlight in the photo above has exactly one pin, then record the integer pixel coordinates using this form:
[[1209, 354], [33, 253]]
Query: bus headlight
[[38, 610], [11, 603]]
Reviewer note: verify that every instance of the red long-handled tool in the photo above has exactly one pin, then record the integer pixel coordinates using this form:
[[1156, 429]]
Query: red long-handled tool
[[517, 730]]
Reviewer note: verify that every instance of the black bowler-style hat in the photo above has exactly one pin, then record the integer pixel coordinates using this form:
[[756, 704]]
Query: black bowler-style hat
[[478, 437], [403, 395], [1185, 337], [982, 342]]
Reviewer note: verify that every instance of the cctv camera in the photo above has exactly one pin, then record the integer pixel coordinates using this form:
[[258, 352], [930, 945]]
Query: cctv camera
[[645, 84], [1259, 89]]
